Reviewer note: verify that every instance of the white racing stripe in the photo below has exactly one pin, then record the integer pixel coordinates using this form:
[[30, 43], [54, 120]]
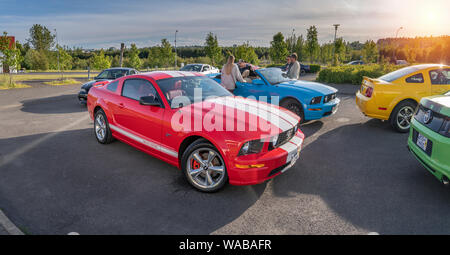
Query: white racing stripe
[[270, 108], [296, 140], [291, 149], [145, 142], [255, 110]]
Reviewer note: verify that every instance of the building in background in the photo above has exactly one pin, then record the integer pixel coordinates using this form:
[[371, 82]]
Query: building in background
[[5, 68]]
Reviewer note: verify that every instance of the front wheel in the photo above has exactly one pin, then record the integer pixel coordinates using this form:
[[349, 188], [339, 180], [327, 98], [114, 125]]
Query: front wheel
[[295, 107], [402, 115], [204, 167]]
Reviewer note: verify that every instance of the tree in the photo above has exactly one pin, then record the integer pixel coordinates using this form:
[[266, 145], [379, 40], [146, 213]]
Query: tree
[[278, 48], [370, 52], [339, 51], [300, 48], [166, 54], [133, 60], [312, 43], [247, 53], [212, 49], [41, 38], [36, 60], [100, 61]]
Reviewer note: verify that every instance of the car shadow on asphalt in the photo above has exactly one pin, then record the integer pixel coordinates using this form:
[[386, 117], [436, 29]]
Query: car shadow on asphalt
[[57, 183], [365, 174], [53, 105]]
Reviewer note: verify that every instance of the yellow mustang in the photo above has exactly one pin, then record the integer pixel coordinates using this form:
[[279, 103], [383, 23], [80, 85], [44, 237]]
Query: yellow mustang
[[395, 96]]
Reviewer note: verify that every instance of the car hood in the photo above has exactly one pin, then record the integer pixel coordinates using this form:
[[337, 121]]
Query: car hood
[[89, 84], [250, 119], [309, 86]]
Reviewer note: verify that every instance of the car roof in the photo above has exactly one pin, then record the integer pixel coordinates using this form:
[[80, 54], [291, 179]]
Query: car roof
[[159, 75], [426, 66]]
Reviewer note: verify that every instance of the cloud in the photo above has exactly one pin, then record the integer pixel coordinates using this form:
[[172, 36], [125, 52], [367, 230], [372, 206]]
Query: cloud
[[95, 24]]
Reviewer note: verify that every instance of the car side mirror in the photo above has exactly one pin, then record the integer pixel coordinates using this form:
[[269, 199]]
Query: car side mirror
[[258, 82], [149, 100]]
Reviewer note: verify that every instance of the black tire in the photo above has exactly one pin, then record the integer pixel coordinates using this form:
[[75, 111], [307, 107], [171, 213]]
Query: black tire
[[106, 138], [295, 107], [401, 116], [219, 179], [302, 72]]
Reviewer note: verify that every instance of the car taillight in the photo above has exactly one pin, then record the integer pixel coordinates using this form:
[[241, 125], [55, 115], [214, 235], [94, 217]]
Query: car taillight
[[445, 128], [369, 92]]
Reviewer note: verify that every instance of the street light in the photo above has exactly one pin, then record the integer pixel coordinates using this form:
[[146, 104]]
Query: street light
[[176, 50], [59, 69], [334, 48], [292, 40], [394, 50]]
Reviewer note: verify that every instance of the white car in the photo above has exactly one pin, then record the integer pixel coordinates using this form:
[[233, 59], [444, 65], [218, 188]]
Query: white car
[[200, 68]]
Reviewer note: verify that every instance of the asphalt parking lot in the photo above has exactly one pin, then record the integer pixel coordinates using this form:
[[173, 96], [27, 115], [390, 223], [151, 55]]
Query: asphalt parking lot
[[354, 176]]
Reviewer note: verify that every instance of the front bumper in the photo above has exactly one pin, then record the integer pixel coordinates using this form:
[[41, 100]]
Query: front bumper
[[275, 162], [439, 162], [318, 111], [82, 96]]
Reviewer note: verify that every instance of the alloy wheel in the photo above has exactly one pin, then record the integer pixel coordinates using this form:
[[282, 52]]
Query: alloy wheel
[[205, 168]]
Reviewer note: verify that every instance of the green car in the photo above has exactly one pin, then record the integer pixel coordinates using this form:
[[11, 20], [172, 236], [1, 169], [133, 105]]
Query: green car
[[429, 136]]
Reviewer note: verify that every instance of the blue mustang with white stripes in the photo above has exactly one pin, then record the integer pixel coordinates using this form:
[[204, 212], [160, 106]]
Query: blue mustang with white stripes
[[309, 100]]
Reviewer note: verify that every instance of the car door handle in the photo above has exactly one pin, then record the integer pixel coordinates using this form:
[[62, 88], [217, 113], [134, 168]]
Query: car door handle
[[121, 105]]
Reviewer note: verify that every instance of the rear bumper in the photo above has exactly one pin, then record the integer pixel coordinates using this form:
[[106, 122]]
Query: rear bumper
[[369, 108], [275, 162], [315, 112], [438, 163]]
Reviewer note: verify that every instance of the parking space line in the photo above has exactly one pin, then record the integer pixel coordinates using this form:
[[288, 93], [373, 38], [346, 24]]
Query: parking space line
[[8, 225]]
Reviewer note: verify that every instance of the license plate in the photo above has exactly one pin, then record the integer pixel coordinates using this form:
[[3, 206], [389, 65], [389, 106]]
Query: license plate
[[422, 142], [293, 159]]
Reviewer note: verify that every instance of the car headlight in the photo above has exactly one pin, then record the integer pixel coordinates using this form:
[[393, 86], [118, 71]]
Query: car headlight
[[251, 147], [316, 100], [445, 128]]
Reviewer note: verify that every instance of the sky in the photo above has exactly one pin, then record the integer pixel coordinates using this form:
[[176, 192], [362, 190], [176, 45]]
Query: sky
[[107, 23]]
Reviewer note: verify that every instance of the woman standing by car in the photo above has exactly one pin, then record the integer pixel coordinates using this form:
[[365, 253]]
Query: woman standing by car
[[230, 74]]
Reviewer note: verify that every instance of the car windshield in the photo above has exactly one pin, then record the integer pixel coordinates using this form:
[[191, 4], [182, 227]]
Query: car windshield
[[112, 74], [399, 73], [182, 91], [273, 75], [192, 68]]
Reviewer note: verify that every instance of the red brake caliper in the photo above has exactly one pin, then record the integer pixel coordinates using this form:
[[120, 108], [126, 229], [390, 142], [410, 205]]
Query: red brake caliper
[[195, 164]]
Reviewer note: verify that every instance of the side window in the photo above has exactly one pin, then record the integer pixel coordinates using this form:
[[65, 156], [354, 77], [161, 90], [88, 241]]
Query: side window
[[205, 68], [113, 86], [137, 88], [417, 78], [440, 76]]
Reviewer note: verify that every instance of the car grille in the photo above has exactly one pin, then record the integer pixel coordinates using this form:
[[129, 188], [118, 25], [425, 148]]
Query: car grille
[[285, 137], [329, 97]]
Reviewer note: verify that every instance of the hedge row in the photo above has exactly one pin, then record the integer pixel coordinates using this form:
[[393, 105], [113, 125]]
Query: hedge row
[[353, 74]]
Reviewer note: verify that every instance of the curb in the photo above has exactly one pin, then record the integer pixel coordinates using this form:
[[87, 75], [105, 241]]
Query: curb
[[7, 224]]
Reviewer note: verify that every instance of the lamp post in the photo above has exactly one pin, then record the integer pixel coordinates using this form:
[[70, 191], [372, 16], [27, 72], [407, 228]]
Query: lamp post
[[394, 50], [59, 69], [334, 46], [292, 40], [176, 66]]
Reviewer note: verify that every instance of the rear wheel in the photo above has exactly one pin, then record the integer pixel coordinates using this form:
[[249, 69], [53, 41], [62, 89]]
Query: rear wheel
[[295, 107], [204, 167], [402, 115], [101, 128]]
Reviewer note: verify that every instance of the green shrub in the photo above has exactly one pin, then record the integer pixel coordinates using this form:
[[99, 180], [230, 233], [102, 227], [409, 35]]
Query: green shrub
[[314, 68], [353, 74]]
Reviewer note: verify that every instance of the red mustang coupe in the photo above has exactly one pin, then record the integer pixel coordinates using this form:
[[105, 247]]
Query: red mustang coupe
[[193, 123]]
